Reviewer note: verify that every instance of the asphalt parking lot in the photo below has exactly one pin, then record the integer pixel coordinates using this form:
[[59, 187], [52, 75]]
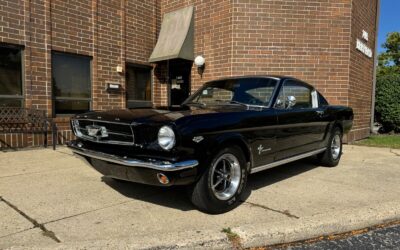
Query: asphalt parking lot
[[53, 199]]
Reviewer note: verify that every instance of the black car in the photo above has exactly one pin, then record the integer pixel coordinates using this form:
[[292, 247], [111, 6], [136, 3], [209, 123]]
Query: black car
[[228, 129]]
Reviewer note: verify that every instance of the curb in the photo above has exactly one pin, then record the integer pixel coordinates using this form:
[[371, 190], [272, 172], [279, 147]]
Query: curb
[[319, 225]]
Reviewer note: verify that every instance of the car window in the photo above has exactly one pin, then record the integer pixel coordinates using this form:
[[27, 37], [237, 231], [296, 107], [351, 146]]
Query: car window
[[303, 95], [242, 91], [213, 95], [322, 101], [261, 94]]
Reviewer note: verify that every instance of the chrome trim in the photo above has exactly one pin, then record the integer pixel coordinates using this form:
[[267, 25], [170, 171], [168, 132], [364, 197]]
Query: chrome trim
[[284, 161], [79, 134], [107, 142], [99, 120], [131, 162]]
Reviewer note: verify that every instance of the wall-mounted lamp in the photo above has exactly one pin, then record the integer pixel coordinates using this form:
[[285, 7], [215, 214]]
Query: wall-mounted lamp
[[199, 61], [119, 69]]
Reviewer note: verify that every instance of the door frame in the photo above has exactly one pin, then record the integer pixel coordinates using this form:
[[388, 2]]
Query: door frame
[[169, 76]]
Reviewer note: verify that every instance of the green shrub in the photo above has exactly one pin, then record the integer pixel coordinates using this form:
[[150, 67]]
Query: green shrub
[[387, 105]]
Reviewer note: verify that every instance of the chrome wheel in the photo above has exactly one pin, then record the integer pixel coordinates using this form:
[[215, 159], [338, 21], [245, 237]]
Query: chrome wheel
[[225, 176], [336, 146]]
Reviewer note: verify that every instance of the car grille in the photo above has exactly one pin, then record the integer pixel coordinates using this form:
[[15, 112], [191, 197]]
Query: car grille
[[104, 132]]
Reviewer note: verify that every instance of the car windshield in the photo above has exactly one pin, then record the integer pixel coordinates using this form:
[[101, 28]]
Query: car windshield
[[242, 91]]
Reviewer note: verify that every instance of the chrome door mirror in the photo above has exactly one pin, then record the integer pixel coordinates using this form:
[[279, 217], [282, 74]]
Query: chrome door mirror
[[279, 104], [290, 102]]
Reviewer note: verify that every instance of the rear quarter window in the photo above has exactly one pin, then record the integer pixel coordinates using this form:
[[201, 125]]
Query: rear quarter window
[[322, 100]]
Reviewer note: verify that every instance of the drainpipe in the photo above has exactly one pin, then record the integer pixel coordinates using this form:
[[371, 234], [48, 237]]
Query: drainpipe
[[378, 3]]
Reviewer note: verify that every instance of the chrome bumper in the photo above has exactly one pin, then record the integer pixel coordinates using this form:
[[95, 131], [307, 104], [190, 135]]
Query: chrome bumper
[[131, 162]]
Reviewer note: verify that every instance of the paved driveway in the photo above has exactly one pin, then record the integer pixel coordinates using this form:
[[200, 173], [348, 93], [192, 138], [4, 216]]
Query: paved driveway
[[52, 198]]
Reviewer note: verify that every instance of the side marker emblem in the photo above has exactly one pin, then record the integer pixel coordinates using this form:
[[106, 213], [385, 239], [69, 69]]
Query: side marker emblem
[[198, 139]]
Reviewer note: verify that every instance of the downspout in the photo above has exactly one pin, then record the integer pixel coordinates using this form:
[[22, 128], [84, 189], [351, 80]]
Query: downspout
[[378, 3]]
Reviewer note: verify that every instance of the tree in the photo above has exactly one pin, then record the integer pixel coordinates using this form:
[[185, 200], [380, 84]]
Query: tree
[[387, 106], [389, 61]]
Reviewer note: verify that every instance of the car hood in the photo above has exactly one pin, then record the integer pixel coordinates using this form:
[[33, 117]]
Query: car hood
[[160, 115]]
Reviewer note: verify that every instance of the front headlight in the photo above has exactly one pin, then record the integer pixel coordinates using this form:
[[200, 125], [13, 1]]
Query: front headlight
[[75, 127], [166, 138]]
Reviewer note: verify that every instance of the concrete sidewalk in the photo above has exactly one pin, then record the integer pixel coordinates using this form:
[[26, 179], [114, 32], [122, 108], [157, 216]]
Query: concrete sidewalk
[[51, 199]]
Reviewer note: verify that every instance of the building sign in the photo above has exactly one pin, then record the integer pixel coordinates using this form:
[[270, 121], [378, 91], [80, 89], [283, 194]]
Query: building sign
[[362, 46], [365, 35]]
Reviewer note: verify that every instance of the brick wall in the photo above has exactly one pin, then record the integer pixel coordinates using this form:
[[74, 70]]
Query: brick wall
[[213, 36], [112, 32], [361, 66], [305, 39], [313, 40]]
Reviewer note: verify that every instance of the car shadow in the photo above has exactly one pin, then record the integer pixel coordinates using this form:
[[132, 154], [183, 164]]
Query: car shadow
[[177, 196]]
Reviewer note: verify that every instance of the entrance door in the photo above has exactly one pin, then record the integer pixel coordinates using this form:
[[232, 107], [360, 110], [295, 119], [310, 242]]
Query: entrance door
[[179, 71]]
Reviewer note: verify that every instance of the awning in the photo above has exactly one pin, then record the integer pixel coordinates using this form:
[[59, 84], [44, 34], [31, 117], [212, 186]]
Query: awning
[[176, 36]]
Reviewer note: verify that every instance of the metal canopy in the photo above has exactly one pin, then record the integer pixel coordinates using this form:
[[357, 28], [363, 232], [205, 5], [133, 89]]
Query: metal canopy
[[176, 36]]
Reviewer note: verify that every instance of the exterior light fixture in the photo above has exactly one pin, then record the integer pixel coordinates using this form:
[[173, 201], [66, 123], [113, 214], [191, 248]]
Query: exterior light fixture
[[119, 69], [199, 61]]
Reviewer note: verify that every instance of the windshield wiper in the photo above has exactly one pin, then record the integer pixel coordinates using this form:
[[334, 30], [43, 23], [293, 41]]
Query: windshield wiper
[[240, 103], [197, 104], [231, 102], [248, 106]]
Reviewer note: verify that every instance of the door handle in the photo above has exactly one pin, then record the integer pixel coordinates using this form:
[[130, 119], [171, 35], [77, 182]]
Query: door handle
[[320, 113]]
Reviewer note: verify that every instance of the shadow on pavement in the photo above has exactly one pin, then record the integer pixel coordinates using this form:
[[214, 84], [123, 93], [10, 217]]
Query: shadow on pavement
[[176, 197]]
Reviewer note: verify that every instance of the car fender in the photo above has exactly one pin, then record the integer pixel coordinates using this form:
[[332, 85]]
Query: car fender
[[216, 142]]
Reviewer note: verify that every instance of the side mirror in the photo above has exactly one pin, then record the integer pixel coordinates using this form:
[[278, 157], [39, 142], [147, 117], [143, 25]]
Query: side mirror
[[290, 102], [279, 104]]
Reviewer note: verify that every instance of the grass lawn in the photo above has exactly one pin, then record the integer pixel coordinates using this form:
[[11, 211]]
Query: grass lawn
[[388, 141]]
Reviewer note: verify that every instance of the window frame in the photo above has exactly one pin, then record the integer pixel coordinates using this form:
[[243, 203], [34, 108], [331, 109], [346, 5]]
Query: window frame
[[20, 97], [55, 98], [139, 103], [313, 94], [271, 102]]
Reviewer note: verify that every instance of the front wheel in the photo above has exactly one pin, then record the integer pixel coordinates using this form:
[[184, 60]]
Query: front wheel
[[333, 152], [221, 185]]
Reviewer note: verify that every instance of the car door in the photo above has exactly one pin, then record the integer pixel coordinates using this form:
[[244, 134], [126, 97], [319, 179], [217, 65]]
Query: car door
[[300, 127]]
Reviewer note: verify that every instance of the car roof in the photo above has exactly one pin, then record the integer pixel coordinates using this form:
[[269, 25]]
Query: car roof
[[277, 77]]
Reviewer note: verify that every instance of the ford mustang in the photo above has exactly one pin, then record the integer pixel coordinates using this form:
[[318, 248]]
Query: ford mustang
[[228, 129]]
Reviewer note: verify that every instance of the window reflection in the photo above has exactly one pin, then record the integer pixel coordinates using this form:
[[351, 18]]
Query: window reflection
[[10, 77], [138, 86], [71, 83]]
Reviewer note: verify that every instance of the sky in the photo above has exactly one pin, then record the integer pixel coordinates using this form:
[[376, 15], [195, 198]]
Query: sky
[[389, 20]]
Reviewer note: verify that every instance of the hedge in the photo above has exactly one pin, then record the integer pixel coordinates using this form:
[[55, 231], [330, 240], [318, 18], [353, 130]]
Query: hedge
[[387, 105]]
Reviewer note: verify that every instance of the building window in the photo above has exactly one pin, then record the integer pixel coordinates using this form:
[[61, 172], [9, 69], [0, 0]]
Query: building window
[[71, 83], [10, 77], [138, 86]]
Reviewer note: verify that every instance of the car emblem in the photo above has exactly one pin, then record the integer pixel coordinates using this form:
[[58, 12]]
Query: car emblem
[[262, 150], [198, 139], [97, 131]]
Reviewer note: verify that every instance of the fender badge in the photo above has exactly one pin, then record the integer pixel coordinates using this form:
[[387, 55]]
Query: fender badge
[[198, 139], [262, 150]]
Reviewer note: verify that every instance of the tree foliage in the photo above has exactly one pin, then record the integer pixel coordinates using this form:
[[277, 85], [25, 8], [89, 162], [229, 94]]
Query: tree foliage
[[389, 61], [387, 105]]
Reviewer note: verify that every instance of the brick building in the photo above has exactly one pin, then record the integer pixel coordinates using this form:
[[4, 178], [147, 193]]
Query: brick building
[[69, 56]]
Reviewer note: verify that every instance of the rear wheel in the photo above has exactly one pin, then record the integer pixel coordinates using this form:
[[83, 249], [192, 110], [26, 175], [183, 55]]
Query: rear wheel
[[333, 152], [221, 185]]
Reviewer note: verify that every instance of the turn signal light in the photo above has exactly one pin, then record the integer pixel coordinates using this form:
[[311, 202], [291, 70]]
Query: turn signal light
[[162, 178]]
